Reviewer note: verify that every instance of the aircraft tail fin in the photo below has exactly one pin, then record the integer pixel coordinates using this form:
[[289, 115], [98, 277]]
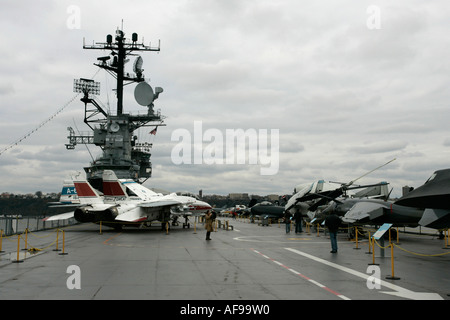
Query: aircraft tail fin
[[68, 196], [379, 191], [68, 193], [435, 218], [86, 193], [112, 186]]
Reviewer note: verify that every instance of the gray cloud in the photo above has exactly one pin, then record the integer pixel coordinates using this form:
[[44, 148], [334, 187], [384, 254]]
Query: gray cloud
[[345, 98]]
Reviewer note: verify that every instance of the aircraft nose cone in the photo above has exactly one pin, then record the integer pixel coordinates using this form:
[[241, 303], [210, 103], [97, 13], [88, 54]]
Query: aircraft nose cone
[[201, 205], [205, 204]]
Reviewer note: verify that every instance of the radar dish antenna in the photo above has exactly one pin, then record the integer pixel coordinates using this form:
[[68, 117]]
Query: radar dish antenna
[[137, 67], [143, 93]]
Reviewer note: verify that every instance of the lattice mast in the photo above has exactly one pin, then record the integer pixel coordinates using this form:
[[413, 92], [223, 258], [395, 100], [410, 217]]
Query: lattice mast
[[113, 133]]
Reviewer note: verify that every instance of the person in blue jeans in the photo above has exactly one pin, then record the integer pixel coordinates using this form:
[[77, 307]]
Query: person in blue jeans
[[333, 222], [287, 220]]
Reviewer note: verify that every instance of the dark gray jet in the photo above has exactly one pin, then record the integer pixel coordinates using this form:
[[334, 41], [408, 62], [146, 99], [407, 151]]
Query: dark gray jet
[[427, 206]]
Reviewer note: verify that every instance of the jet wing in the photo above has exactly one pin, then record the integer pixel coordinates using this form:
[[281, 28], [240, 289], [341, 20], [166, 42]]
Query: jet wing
[[62, 216], [364, 211], [62, 205], [181, 213], [131, 216], [159, 203], [141, 215]]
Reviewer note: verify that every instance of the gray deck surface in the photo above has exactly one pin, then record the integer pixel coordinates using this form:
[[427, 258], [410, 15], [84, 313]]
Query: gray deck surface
[[251, 262]]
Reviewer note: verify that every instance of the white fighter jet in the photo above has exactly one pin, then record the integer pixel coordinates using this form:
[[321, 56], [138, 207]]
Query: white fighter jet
[[126, 202]]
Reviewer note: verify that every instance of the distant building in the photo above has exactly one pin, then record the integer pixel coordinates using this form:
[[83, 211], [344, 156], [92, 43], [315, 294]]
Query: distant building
[[238, 196], [272, 197]]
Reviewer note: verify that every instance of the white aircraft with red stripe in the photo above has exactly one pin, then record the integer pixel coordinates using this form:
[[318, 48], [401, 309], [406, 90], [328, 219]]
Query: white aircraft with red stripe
[[126, 202]]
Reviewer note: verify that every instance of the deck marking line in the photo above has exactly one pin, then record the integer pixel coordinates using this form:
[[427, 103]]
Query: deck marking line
[[303, 276], [398, 291], [110, 238]]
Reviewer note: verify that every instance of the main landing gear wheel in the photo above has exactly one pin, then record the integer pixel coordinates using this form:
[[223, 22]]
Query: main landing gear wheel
[[186, 222]]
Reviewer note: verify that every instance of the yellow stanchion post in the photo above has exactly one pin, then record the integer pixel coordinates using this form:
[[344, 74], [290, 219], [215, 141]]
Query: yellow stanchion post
[[373, 253], [445, 239], [100, 227], [63, 244], [195, 227], [167, 227], [370, 245], [398, 237], [1, 240], [57, 241], [356, 238], [18, 250], [392, 277], [26, 240]]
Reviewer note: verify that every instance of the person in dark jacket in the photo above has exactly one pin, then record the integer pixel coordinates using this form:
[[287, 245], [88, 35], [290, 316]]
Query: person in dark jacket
[[287, 220], [333, 222], [298, 221]]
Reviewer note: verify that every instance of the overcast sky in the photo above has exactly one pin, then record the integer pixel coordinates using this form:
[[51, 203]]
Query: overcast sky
[[349, 85]]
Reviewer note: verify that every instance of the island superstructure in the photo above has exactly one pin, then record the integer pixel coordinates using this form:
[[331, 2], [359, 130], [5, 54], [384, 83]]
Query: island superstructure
[[114, 132]]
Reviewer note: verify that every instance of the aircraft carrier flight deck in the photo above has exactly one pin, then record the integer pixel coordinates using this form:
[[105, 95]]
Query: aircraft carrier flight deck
[[248, 261]]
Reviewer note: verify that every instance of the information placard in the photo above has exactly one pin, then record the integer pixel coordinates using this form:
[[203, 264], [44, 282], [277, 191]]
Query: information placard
[[381, 231]]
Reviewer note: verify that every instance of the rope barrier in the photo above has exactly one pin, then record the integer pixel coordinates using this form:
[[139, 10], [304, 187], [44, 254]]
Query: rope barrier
[[421, 254], [381, 247], [371, 243], [28, 247], [408, 251]]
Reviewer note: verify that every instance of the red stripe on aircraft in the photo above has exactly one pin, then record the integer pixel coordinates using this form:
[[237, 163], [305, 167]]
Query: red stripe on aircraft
[[84, 189], [140, 219], [112, 188], [200, 207]]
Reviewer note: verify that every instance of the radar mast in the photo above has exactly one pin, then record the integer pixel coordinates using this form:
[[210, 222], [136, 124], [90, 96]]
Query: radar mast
[[114, 133]]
